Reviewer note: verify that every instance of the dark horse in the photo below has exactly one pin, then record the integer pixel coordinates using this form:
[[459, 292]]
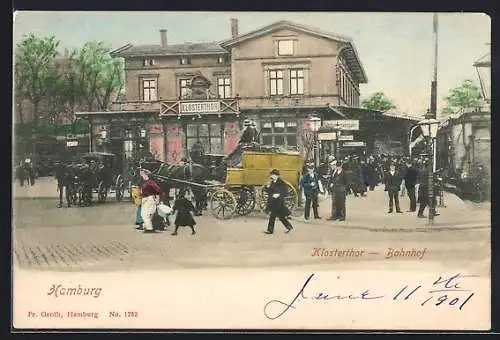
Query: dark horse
[[169, 176]]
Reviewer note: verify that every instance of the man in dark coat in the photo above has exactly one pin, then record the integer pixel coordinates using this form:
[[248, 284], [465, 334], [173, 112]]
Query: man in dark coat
[[410, 178], [310, 184], [277, 191], [197, 152], [371, 174], [63, 177], [338, 185], [392, 184], [247, 136]]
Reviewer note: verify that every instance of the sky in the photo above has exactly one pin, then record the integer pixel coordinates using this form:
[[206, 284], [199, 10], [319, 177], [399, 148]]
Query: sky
[[396, 49]]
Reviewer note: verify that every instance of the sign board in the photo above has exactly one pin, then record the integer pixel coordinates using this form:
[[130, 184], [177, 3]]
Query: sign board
[[72, 143], [199, 107], [351, 144], [346, 137], [327, 136], [342, 124]]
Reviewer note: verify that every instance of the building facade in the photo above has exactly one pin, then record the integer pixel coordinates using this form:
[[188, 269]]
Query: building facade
[[278, 76]]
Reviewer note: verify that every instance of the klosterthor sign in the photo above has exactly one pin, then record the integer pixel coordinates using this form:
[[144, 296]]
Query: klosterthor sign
[[199, 107]]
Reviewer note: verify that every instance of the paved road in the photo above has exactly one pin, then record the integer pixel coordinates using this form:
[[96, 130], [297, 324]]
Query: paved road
[[103, 238]]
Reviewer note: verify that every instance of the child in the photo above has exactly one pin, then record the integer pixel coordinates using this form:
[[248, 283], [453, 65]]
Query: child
[[183, 207]]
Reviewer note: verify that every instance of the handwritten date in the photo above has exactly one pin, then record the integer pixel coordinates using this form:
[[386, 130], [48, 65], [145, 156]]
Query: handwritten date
[[443, 291]]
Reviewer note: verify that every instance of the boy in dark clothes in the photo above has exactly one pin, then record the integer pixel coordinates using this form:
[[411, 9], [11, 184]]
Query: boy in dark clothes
[[184, 218]]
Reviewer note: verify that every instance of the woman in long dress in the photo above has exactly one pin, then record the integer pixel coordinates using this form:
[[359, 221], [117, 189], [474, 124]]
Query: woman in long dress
[[184, 209]]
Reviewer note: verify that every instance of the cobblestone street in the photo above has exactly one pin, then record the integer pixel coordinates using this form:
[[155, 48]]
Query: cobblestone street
[[102, 237]]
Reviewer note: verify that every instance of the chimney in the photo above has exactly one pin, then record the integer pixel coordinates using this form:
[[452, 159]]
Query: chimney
[[234, 27], [163, 35]]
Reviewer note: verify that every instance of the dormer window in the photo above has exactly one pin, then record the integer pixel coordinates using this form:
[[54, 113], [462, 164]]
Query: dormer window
[[285, 47], [148, 62], [185, 61]]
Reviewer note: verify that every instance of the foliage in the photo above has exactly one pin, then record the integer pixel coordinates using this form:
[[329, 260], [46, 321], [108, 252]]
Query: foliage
[[101, 74], [378, 101], [465, 95], [35, 75]]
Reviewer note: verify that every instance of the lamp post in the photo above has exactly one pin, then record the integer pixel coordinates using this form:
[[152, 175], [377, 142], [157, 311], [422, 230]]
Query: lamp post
[[429, 127], [315, 123]]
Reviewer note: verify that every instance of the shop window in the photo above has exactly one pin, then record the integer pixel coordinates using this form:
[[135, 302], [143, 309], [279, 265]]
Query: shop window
[[210, 135], [279, 133]]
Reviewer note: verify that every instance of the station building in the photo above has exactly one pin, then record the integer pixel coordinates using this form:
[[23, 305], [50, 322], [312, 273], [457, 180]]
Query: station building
[[279, 76]]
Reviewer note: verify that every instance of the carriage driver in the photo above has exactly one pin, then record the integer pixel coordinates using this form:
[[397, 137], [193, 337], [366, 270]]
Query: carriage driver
[[150, 193]]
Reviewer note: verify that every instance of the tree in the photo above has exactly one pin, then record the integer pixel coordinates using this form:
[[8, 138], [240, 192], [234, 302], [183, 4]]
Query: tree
[[34, 58], [378, 101], [100, 74], [465, 95]]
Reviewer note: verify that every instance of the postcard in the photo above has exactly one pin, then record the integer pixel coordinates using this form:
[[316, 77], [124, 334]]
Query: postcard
[[251, 171]]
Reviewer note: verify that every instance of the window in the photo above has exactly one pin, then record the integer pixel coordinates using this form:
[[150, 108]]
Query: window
[[297, 81], [221, 60], [149, 90], [148, 62], [185, 61], [184, 89], [211, 136], [276, 80], [285, 47], [279, 133], [224, 87]]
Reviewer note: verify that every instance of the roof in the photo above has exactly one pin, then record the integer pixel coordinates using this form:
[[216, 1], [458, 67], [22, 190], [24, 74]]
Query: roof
[[349, 50], [130, 50]]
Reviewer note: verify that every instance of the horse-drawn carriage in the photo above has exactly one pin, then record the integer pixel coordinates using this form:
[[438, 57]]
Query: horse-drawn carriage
[[237, 185], [245, 187], [106, 175]]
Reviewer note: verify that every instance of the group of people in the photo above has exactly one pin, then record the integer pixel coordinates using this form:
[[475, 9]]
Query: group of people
[[25, 172], [352, 175], [150, 196]]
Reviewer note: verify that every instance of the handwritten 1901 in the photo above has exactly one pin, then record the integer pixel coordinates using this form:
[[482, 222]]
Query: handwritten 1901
[[444, 289]]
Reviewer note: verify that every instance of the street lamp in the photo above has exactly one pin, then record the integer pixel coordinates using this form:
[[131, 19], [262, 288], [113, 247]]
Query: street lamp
[[315, 123], [429, 129]]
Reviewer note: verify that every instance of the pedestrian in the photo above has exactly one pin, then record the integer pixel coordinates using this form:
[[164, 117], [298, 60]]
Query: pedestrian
[[310, 185], [184, 209], [371, 173], [392, 185], [150, 193], [331, 169], [338, 185], [136, 196], [277, 190], [423, 195], [410, 180]]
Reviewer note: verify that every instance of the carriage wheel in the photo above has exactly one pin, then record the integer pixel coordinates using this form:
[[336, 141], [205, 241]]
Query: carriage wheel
[[245, 201], [119, 188], [223, 204], [291, 199], [102, 193]]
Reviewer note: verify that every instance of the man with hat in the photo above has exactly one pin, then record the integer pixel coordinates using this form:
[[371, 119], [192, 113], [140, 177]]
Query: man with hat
[[392, 182], [310, 184], [337, 185], [247, 136], [277, 191], [410, 177]]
